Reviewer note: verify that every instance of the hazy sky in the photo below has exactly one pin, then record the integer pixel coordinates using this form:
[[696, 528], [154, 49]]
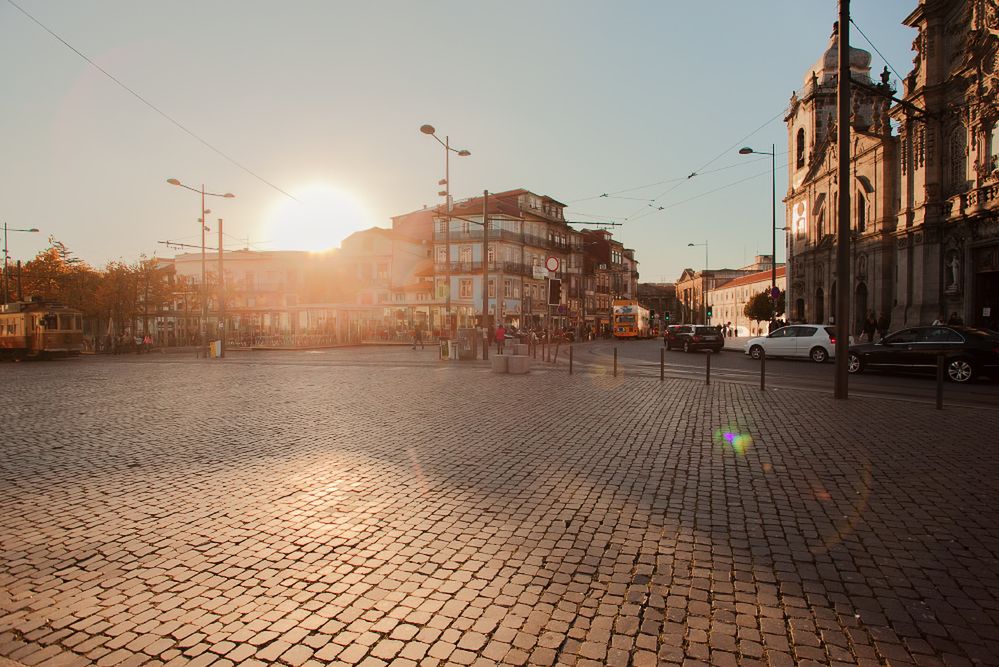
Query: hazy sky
[[324, 99]]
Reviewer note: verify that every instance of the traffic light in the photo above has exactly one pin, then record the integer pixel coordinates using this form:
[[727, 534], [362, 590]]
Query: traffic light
[[554, 291], [666, 316], [652, 314], [709, 311]]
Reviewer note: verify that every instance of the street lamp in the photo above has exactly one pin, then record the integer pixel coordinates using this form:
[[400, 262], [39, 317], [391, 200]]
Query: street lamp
[[446, 193], [6, 270], [201, 220], [704, 279], [746, 150]]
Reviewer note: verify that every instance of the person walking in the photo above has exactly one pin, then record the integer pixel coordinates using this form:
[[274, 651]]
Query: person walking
[[884, 322], [870, 326], [500, 338], [955, 319]]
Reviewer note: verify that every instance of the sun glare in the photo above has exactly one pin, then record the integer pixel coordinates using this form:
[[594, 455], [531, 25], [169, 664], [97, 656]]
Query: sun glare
[[321, 218]]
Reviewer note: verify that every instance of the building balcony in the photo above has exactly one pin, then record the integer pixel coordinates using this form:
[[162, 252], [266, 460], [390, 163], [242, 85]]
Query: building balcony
[[972, 202]]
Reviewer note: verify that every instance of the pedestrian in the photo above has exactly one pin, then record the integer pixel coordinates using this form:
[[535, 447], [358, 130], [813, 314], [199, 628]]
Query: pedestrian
[[884, 322], [418, 336], [870, 326], [500, 338], [955, 319]]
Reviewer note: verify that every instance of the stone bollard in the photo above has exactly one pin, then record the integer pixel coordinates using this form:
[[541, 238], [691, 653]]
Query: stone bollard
[[499, 363]]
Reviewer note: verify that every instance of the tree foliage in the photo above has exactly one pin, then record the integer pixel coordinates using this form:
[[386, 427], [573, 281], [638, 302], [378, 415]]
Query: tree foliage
[[760, 308], [120, 292]]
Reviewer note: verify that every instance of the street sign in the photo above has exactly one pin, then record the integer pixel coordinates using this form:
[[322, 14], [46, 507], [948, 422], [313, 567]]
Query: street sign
[[552, 263], [774, 292], [540, 272]]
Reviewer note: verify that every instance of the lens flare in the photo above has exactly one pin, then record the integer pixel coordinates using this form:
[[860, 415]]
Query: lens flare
[[732, 437]]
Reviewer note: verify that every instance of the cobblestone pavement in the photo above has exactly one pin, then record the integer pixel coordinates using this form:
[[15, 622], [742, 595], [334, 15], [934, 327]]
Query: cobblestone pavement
[[285, 510]]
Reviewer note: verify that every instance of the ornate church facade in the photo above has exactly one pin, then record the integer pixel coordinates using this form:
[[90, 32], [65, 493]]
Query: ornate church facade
[[924, 204]]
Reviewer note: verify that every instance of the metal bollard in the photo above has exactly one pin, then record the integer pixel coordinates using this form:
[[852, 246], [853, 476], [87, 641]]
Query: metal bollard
[[615, 362], [941, 365], [763, 370], [570, 359], [662, 365], [707, 377]]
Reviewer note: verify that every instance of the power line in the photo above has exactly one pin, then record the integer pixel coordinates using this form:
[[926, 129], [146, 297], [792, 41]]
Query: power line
[[150, 104], [871, 44], [711, 161]]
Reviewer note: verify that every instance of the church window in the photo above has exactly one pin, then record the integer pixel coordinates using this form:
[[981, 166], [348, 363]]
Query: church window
[[956, 169], [800, 149], [993, 147], [861, 212]]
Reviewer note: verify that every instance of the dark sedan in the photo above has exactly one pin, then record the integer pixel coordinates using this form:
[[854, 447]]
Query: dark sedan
[[968, 352]]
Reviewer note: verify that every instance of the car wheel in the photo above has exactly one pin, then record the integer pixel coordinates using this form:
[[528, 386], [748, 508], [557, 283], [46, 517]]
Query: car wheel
[[686, 346], [854, 364], [960, 370], [819, 354], [756, 352]]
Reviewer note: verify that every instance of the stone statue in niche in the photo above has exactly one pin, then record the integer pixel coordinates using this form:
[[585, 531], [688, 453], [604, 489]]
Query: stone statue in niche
[[953, 272], [862, 267]]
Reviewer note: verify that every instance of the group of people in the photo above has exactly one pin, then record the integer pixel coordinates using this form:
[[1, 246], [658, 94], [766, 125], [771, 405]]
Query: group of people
[[953, 320], [872, 325]]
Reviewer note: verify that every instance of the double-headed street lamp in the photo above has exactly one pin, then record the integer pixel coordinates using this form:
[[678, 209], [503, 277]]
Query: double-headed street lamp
[[446, 193], [6, 269], [203, 220], [704, 278], [746, 150]]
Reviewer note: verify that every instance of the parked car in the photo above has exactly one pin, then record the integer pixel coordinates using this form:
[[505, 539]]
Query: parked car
[[968, 352], [692, 337], [811, 341]]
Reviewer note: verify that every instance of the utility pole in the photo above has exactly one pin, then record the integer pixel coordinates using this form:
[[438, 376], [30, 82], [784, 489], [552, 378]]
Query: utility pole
[[221, 298], [843, 282], [204, 285], [485, 275]]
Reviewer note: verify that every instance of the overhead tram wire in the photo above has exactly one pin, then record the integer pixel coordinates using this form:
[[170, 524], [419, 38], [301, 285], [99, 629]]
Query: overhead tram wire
[[656, 209], [151, 105], [614, 195], [871, 44], [710, 162]]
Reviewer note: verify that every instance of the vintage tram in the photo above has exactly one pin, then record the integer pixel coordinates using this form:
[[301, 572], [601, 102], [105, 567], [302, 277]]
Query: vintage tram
[[38, 329]]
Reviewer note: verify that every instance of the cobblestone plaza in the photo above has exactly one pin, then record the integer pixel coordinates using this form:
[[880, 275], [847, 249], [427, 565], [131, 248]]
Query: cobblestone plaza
[[387, 508]]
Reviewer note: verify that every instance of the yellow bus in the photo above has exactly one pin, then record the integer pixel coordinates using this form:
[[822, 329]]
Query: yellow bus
[[630, 320]]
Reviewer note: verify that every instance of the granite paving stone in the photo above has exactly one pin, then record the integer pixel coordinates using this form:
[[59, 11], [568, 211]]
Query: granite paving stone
[[301, 509]]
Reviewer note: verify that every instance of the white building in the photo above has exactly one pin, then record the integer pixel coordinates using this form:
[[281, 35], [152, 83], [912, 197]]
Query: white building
[[728, 300]]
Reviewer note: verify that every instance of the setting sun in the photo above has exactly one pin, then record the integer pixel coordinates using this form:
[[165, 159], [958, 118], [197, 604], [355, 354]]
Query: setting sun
[[321, 217]]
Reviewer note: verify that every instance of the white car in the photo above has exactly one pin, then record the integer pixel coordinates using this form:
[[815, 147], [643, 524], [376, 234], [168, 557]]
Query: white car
[[811, 341]]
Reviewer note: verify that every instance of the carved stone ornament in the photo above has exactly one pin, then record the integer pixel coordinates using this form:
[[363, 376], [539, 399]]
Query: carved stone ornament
[[952, 272]]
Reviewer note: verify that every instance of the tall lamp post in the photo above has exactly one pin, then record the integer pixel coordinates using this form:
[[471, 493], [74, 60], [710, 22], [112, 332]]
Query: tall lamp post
[[6, 269], [446, 193], [773, 226], [204, 228], [704, 278]]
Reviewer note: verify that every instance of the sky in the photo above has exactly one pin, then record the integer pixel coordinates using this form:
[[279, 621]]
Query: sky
[[323, 100]]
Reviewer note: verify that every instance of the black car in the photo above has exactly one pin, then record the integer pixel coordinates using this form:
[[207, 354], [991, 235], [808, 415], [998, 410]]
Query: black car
[[691, 337], [968, 352], [672, 331]]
